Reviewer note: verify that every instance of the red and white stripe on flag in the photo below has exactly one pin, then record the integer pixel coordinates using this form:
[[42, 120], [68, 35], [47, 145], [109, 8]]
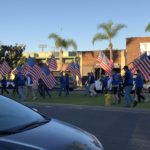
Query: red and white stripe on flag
[[77, 70], [52, 64], [5, 68], [144, 67], [49, 80], [132, 68], [71, 68], [35, 71], [103, 65]]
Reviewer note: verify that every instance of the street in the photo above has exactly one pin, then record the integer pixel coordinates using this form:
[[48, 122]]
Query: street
[[116, 128]]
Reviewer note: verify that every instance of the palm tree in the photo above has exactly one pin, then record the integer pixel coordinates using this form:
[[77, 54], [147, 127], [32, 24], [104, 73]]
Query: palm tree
[[147, 27], [110, 31], [62, 43]]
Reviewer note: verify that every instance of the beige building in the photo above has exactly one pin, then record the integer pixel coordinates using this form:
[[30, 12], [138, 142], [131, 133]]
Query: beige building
[[87, 59]]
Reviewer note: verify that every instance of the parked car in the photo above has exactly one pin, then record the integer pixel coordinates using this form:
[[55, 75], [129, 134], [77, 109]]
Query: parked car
[[22, 128]]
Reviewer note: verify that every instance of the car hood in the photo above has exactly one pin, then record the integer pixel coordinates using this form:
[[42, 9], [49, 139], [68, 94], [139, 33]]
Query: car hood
[[55, 135]]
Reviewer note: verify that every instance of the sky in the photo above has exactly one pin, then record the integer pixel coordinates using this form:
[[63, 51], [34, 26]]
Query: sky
[[30, 22]]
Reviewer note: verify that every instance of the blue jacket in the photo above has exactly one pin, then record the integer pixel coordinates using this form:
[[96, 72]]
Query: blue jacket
[[67, 80], [4, 81], [62, 80], [128, 78], [104, 80], [20, 80], [115, 80], [92, 80], [139, 81]]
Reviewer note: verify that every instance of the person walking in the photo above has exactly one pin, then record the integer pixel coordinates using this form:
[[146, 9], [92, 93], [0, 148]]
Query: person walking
[[139, 82], [92, 85], [46, 91], [34, 89], [29, 83], [120, 88], [87, 84], [115, 86], [4, 84], [15, 88], [21, 83], [62, 84], [67, 83], [128, 83], [104, 80], [41, 88]]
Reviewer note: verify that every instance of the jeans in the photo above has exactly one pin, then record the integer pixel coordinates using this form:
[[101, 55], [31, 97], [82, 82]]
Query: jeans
[[20, 92], [87, 89], [127, 95], [62, 87]]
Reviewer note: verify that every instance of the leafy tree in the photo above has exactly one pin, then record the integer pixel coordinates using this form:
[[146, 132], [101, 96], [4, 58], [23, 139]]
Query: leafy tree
[[147, 27], [12, 55], [62, 44], [110, 31]]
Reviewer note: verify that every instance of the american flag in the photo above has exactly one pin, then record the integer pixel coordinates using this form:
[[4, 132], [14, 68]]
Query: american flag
[[5, 68], [52, 64], [71, 68], [132, 68], [47, 77], [33, 69], [77, 70], [143, 64], [105, 63]]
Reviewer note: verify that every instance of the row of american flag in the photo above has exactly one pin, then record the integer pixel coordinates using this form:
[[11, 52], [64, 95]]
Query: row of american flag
[[44, 72], [141, 63]]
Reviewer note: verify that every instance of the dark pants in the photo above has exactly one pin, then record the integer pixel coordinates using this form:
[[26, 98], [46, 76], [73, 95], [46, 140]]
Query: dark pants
[[42, 90], [138, 93], [15, 90], [104, 88], [4, 89], [67, 89], [62, 88]]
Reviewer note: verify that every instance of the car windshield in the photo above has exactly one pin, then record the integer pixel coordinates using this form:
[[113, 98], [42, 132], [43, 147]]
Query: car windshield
[[14, 115]]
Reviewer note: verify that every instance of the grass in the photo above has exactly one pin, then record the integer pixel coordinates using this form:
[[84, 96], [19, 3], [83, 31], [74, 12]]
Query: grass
[[78, 98]]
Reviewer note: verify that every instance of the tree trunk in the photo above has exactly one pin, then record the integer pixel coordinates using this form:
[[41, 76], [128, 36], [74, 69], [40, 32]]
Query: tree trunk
[[111, 51], [60, 59]]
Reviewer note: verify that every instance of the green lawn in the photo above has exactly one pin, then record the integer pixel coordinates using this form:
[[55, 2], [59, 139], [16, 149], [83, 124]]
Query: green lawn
[[78, 98]]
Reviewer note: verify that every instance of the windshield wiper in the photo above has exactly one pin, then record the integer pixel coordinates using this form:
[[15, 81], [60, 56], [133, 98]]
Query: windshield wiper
[[31, 125], [7, 132], [23, 127]]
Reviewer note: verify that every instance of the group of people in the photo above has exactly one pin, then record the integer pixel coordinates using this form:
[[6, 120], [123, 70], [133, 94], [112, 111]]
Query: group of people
[[26, 86], [118, 87]]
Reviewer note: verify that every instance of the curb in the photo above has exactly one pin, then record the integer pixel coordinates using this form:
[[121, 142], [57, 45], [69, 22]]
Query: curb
[[87, 107]]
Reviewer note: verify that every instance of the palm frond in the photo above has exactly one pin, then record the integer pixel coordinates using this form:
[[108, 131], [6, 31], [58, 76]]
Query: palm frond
[[59, 43], [107, 27], [116, 28], [54, 36], [110, 29], [72, 43], [147, 27], [99, 37]]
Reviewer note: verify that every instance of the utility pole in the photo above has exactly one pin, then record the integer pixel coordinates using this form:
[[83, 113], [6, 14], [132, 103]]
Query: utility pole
[[42, 46]]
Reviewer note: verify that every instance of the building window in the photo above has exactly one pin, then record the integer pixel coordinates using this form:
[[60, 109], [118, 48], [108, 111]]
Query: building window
[[72, 53], [145, 47]]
